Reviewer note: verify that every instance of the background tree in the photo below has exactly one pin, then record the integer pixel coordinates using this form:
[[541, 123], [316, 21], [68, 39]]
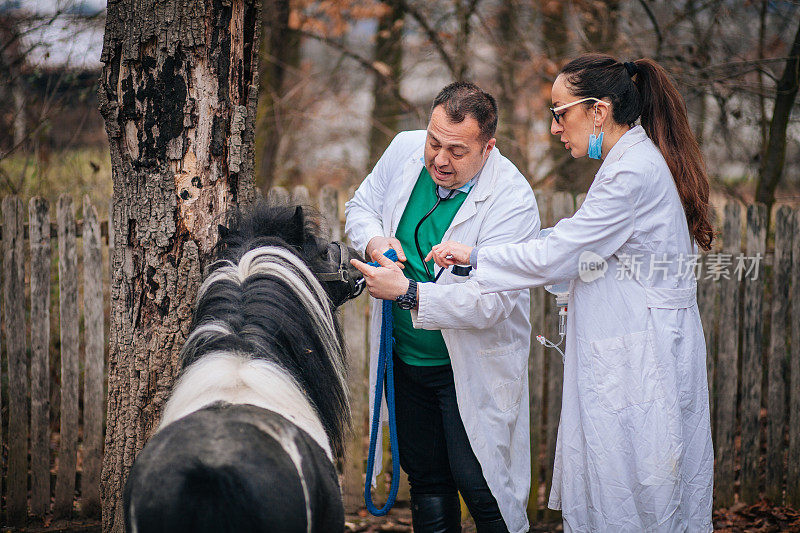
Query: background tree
[[518, 71], [388, 57], [178, 95], [280, 59], [774, 152]]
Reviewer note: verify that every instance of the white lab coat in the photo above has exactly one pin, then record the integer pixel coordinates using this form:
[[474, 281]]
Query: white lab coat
[[487, 335], [634, 446]]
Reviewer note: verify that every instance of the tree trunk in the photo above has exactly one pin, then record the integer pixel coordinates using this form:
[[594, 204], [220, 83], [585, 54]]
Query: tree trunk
[[513, 133], [178, 94], [386, 108], [771, 168], [464, 9], [599, 21], [567, 174], [280, 56]]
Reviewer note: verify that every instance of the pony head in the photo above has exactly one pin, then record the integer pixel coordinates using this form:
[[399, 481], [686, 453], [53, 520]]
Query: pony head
[[280, 225]]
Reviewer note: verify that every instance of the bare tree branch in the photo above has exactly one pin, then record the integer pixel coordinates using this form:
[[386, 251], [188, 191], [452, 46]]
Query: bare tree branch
[[365, 63], [432, 34], [656, 28]]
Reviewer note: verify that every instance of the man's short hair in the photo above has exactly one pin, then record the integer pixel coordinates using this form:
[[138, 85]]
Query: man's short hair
[[463, 98]]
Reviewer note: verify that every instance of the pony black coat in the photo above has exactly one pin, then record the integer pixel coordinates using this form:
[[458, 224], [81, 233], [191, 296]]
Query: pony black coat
[[248, 437]]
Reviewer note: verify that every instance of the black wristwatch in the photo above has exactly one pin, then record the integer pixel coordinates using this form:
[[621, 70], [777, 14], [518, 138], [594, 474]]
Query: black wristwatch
[[409, 299]]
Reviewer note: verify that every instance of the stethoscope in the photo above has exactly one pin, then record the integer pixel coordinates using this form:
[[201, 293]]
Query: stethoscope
[[416, 230], [457, 269]]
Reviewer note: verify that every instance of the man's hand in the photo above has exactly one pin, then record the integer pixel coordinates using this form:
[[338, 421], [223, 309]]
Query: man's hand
[[381, 244], [385, 282], [450, 253]]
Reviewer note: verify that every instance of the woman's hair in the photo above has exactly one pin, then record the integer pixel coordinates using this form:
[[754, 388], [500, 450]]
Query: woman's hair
[[643, 89]]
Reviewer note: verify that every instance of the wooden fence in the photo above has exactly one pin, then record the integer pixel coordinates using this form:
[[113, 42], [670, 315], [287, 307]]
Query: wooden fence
[[751, 323], [37, 479]]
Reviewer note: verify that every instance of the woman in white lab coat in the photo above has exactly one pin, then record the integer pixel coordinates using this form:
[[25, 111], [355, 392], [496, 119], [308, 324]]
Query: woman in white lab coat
[[634, 448]]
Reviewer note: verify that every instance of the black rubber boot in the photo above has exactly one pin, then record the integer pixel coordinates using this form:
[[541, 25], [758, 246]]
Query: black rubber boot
[[436, 513], [495, 526]]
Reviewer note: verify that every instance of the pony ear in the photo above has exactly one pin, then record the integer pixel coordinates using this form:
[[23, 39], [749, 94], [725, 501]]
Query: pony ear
[[297, 227]]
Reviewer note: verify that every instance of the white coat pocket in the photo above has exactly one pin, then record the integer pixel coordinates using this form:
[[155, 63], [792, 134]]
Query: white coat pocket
[[504, 369], [626, 370]]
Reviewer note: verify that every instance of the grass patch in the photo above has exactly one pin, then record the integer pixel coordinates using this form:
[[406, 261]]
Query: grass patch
[[75, 171]]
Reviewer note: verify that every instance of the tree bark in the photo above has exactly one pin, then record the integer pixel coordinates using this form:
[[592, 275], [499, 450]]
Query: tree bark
[[567, 173], [386, 108], [513, 133], [178, 94], [280, 56], [599, 21], [771, 168]]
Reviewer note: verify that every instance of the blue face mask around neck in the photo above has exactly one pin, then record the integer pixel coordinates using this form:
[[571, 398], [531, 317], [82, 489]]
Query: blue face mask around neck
[[596, 146], [595, 141]]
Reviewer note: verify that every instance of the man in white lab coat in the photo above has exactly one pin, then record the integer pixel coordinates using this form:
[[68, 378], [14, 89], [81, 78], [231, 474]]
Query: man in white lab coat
[[460, 361]]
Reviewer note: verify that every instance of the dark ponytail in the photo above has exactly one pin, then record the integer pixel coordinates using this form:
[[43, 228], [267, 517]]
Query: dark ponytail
[[643, 89], [666, 122]]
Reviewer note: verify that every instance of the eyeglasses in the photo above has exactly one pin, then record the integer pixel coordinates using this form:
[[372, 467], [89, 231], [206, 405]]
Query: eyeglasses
[[557, 115]]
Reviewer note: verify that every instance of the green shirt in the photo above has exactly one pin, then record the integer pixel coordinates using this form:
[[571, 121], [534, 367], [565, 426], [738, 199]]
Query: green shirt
[[422, 347]]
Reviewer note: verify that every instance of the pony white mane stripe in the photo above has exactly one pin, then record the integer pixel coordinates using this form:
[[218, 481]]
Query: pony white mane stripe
[[280, 262], [239, 378]]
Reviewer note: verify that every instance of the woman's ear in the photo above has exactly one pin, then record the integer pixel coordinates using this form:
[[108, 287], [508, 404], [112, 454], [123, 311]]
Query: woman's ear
[[603, 112]]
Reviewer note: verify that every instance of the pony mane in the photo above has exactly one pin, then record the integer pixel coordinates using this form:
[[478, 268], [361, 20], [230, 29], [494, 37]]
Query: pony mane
[[261, 300]]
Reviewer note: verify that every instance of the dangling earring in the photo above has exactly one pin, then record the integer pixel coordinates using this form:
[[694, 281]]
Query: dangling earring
[[595, 142]]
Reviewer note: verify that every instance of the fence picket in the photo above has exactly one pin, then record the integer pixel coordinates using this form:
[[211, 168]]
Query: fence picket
[[706, 302], [300, 195], [93, 361], [68, 318], [39, 222], [535, 398], [354, 315], [278, 195], [561, 206], [793, 471], [14, 321], [329, 208], [536, 381], [776, 398], [727, 368], [752, 345]]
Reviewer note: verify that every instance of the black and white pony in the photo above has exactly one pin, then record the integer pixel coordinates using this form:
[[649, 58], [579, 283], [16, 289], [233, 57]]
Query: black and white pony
[[249, 435]]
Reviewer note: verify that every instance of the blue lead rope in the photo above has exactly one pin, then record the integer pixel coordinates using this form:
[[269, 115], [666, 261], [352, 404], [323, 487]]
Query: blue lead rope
[[385, 372]]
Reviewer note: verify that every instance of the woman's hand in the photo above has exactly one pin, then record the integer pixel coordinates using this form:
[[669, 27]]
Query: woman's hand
[[385, 282], [450, 253]]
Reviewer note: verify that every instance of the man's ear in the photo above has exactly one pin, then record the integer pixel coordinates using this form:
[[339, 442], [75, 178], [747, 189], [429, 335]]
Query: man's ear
[[490, 146], [296, 230]]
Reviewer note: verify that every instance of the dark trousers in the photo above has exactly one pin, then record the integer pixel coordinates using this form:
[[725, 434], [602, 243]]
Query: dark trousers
[[434, 448]]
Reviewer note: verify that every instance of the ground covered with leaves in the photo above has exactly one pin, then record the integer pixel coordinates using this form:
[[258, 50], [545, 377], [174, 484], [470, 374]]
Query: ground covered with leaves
[[759, 518]]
